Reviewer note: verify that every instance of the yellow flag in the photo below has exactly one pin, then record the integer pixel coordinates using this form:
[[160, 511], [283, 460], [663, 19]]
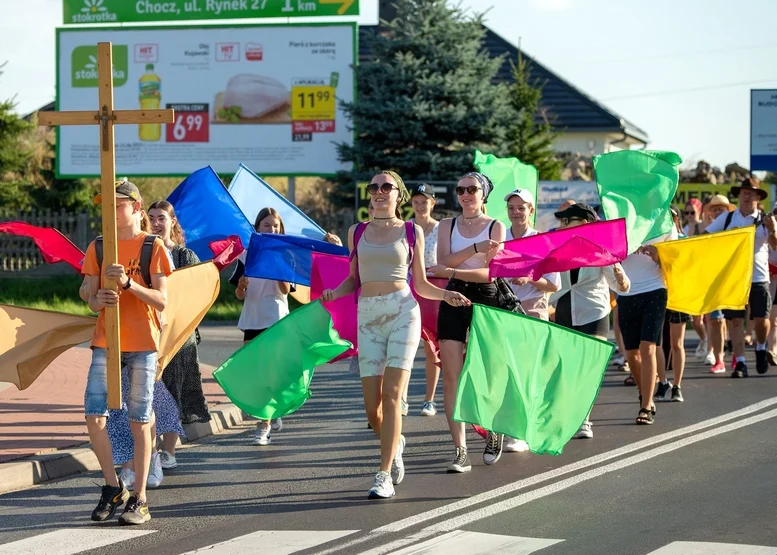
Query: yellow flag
[[191, 291], [31, 339], [708, 272]]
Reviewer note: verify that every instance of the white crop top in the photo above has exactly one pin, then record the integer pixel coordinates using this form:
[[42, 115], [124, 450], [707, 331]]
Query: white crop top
[[459, 243]]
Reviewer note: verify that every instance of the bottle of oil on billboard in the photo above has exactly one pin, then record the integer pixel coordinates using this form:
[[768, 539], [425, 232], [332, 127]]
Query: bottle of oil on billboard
[[150, 99]]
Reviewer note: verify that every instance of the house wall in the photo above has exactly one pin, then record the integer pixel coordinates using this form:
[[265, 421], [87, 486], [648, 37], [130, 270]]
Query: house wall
[[592, 143]]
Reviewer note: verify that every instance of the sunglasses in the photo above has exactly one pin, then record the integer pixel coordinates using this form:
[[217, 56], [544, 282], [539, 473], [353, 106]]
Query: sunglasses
[[470, 189], [384, 188], [689, 212], [567, 221]]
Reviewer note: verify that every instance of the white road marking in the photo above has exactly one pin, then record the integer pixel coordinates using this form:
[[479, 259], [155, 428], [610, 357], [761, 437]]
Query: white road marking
[[273, 542], [704, 548], [473, 543], [69, 541], [508, 504], [490, 495]]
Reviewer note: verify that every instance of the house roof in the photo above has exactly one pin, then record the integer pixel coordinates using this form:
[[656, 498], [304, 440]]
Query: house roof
[[569, 108]]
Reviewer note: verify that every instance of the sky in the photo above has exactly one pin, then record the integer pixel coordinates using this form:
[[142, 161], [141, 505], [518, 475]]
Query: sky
[[681, 70]]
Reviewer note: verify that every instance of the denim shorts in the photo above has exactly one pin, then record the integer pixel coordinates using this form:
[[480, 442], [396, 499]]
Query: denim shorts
[[142, 373]]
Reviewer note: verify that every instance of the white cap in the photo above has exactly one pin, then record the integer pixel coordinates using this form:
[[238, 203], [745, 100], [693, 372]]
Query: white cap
[[523, 194]]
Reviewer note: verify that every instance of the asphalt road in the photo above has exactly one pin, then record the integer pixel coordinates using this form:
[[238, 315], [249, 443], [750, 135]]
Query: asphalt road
[[702, 479]]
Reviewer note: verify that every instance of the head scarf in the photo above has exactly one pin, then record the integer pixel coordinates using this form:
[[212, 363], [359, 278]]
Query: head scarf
[[404, 195], [484, 181]]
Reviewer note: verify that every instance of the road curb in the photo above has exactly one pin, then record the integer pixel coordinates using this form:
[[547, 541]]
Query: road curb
[[23, 473]]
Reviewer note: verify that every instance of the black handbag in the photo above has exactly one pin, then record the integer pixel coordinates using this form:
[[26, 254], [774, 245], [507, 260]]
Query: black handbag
[[506, 297]]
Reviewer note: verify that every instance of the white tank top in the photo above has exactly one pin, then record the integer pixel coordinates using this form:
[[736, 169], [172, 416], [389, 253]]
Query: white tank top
[[459, 243]]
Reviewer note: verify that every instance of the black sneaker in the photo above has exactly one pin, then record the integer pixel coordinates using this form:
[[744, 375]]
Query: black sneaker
[[461, 462], [662, 389], [677, 394], [493, 450], [110, 499], [136, 512], [740, 370], [761, 362]]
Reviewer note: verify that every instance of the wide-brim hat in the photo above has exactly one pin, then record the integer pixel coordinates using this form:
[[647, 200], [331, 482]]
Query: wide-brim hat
[[751, 184], [720, 200]]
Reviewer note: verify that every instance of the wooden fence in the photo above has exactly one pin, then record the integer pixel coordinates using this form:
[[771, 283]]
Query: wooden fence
[[20, 256]]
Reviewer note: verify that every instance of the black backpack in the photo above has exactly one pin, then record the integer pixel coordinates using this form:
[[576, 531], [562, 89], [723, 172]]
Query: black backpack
[[145, 256], [758, 221]]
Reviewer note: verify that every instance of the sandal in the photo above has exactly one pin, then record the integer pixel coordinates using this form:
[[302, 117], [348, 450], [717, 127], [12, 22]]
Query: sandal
[[645, 417], [652, 409], [630, 381]]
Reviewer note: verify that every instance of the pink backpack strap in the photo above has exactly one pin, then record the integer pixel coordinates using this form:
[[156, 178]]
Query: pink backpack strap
[[410, 234], [357, 235]]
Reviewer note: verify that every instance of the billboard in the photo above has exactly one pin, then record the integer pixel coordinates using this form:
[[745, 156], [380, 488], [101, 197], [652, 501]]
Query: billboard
[[267, 96], [76, 12], [763, 130]]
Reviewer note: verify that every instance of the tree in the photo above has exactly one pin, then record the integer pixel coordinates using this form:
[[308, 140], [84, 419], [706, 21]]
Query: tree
[[15, 157], [427, 99], [531, 135]]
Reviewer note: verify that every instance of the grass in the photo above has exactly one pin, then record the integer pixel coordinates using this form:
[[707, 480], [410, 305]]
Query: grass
[[60, 294]]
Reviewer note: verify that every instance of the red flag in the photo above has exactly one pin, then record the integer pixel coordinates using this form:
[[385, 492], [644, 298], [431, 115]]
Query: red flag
[[226, 251], [53, 245]]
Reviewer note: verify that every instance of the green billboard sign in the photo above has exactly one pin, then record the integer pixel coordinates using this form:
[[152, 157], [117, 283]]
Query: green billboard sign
[[124, 11]]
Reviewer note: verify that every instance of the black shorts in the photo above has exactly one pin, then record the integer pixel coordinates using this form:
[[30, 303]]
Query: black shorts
[[563, 317], [674, 317], [760, 303], [453, 321], [641, 317], [248, 335]]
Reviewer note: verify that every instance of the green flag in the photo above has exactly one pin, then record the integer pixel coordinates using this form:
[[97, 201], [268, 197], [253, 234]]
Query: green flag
[[638, 185], [538, 384], [270, 376], [507, 174]]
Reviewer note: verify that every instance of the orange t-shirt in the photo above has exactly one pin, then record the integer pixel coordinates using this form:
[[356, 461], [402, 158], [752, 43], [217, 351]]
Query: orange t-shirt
[[138, 323]]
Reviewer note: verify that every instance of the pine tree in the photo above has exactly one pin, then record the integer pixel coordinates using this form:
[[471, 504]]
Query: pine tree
[[531, 135], [15, 157], [427, 100]]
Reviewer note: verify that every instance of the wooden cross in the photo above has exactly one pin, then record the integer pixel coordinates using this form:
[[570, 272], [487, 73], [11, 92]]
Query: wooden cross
[[106, 118]]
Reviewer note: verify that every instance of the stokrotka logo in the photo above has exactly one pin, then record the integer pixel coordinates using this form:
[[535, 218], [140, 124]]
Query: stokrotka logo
[[93, 11], [84, 66]]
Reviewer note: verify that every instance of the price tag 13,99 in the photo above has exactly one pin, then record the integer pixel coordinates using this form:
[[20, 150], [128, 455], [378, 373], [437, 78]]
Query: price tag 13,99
[[192, 124]]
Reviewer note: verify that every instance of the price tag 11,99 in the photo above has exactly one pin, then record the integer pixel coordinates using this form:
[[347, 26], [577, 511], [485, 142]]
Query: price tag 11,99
[[312, 103], [192, 124]]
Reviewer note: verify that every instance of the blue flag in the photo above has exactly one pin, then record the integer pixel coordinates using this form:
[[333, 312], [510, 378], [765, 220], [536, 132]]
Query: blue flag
[[285, 257], [207, 212], [252, 194]]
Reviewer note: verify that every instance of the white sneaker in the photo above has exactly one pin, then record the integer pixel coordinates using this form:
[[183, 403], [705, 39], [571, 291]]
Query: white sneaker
[[168, 460], [262, 434], [155, 475], [403, 407], [428, 409], [127, 477], [382, 488], [512, 445], [701, 350], [586, 431], [277, 425], [398, 465], [709, 360], [618, 359]]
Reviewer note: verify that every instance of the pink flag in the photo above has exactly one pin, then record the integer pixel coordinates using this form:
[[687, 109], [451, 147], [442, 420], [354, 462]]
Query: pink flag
[[328, 271], [226, 251], [594, 244], [53, 245]]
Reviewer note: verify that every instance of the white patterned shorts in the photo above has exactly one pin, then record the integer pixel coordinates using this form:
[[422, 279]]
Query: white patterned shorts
[[389, 332]]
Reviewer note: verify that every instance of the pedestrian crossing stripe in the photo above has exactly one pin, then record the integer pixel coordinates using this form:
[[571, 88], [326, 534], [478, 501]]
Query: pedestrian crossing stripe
[[71, 541]]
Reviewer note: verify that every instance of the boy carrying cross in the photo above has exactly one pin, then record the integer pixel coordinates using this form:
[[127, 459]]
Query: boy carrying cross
[[140, 330]]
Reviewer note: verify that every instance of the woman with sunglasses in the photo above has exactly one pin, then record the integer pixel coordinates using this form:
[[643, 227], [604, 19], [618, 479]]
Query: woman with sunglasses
[[465, 246], [389, 320], [583, 300]]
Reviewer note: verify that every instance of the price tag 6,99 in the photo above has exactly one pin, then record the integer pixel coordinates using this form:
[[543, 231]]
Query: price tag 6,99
[[192, 124], [312, 103]]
